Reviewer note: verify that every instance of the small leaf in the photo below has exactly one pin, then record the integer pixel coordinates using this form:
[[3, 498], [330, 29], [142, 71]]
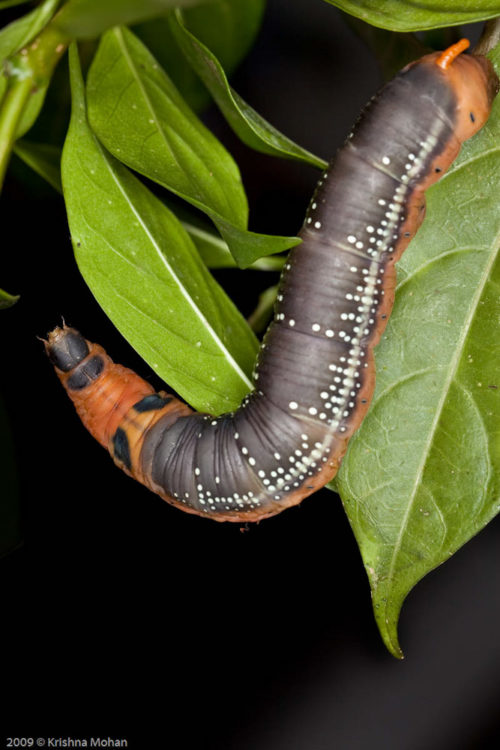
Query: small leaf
[[21, 31], [10, 518], [87, 19], [253, 130], [408, 15], [44, 159], [248, 247], [215, 252], [226, 28], [422, 474], [142, 120], [32, 109], [145, 272], [7, 300]]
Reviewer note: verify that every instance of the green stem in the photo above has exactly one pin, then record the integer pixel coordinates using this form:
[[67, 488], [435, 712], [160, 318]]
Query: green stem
[[32, 67], [13, 106]]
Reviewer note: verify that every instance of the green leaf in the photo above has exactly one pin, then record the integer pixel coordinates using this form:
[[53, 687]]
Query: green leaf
[[44, 159], [12, 38], [261, 316], [10, 520], [253, 130], [21, 31], [141, 118], [7, 300], [422, 474], [248, 247], [216, 254], [127, 87], [212, 248], [32, 109], [226, 28], [416, 15], [145, 272], [87, 19]]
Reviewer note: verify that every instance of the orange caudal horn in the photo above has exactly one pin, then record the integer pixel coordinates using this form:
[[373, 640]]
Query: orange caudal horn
[[446, 58]]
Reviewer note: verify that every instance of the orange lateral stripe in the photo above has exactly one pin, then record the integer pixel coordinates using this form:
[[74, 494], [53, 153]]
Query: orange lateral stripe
[[446, 58]]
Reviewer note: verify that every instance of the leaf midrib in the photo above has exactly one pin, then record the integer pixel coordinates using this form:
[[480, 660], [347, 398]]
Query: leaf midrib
[[209, 329], [446, 387]]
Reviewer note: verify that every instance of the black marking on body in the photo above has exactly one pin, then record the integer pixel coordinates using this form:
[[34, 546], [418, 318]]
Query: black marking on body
[[121, 448], [68, 350], [85, 373], [152, 403]]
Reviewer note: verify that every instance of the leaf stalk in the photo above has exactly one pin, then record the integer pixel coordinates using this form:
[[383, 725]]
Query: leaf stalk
[[29, 69]]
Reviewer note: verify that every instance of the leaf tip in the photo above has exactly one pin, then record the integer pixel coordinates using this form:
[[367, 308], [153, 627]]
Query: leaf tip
[[386, 608], [389, 632], [7, 300]]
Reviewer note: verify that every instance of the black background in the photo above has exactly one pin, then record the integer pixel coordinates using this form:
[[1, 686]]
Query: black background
[[121, 615]]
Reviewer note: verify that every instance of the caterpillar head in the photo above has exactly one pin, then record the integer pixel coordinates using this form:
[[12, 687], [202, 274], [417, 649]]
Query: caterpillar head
[[474, 82]]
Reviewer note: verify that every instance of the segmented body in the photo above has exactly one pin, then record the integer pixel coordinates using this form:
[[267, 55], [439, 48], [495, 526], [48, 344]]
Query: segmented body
[[315, 373]]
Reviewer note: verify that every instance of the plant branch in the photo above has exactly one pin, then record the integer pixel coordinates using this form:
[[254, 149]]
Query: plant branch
[[13, 106], [29, 69]]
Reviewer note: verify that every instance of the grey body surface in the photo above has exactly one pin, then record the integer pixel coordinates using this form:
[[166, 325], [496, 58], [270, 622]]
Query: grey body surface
[[315, 365]]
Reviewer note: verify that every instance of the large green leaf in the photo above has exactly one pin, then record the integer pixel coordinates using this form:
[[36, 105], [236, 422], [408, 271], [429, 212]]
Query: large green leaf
[[253, 130], [145, 272], [135, 110], [422, 474], [227, 27], [415, 15], [140, 117]]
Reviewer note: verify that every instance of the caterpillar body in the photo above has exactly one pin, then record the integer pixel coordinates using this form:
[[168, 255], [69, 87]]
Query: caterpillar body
[[315, 373]]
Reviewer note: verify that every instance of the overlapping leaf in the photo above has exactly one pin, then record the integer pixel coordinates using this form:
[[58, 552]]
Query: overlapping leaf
[[143, 269], [11, 3], [215, 251], [416, 15], [24, 29], [43, 158], [141, 118], [422, 475], [253, 129]]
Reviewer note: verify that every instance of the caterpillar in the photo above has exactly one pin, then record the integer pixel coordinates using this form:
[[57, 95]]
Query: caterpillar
[[315, 372]]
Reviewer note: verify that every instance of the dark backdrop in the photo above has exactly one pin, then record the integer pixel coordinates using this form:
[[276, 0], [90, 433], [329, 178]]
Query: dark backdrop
[[123, 616]]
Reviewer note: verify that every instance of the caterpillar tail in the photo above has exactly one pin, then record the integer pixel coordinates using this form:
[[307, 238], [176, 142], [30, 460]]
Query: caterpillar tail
[[115, 404]]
